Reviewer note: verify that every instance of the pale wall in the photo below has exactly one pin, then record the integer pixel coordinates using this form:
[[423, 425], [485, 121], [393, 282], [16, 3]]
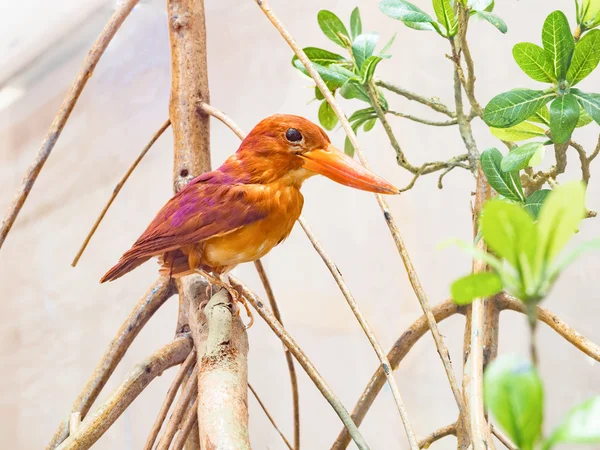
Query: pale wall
[[56, 321]]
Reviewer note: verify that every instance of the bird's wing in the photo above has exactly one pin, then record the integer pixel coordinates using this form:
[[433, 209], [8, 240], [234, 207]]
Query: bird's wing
[[205, 208]]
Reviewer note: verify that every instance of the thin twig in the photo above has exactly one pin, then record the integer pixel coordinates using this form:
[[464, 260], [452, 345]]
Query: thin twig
[[85, 72], [304, 361], [153, 299], [464, 125], [399, 350], [502, 438], [220, 115], [171, 393], [448, 430], [288, 356], [556, 323], [191, 419], [432, 123], [596, 151], [433, 103], [118, 188], [385, 364], [189, 393], [266, 411], [138, 379]]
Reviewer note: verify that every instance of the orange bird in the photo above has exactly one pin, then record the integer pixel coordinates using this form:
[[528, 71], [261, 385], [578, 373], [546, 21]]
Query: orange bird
[[240, 211]]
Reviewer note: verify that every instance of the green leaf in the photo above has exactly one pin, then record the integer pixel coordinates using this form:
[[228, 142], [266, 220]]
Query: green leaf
[[542, 115], [368, 68], [520, 132], [534, 202], [494, 20], [404, 11], [421, 26], [369, 124], [445, 15], [318, 94], [506, 184], [592, 12], [589, 102], [513, 107], [353, 89], [332, 27], [564, 260], [476, 285], [319, 56], [581, 426], [559, 220], [558, 42], [327, 116], [519, 157], [348, 148], [387, 46], [363, 115], [585, 57], [480, 5], [513, 392], [584, 118], [355, 23], [335, 76], [564, 115], [363, 47], [510, 232], [534, 61]]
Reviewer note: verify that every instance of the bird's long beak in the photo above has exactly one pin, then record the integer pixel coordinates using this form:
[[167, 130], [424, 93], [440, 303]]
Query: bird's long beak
[[342, 169]]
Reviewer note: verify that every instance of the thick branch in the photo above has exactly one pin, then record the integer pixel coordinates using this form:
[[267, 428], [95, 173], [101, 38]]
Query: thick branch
[[385, 363], [85, 72], [304, 361], [138, 379], [155, 296], [399, 350]]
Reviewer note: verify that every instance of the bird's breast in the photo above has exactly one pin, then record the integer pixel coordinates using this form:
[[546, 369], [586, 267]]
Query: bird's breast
[[251, 242]]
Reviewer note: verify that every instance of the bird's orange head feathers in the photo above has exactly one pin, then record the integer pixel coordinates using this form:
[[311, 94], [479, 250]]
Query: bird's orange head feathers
[[289, 149]]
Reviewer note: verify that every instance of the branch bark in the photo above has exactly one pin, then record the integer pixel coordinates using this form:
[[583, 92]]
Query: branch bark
[[85, 73], [138, 379], [153, 299]]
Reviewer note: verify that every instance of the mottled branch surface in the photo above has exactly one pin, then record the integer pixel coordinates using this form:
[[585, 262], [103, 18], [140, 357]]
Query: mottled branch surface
[[86, 71]]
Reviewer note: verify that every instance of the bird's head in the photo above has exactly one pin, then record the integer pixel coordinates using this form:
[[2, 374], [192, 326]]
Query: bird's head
[[291, 149]]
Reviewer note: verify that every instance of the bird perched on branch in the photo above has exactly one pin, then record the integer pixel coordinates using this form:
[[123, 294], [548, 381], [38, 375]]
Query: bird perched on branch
[[240, 211]]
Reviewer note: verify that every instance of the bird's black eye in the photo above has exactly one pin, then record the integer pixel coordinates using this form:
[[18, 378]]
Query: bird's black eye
[[293, 135]]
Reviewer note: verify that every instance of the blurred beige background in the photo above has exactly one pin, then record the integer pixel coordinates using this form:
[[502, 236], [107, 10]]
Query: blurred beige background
[[55, 321]]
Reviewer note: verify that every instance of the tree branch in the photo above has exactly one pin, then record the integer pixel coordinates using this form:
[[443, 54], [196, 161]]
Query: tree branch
[[118, 188], [385, 364], [138, 379], [85, 72], [304, 361], [432, 102], [432, 123], [399, 350], [153, 299], [189, 422], [448, 430], [266, 411]]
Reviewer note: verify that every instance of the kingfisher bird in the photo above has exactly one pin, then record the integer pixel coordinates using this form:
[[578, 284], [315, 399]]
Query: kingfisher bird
[[240, 211]]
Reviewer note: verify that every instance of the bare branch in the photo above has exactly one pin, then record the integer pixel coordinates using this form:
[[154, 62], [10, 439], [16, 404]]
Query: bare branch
[[502, 438], [153, 299], [288, 356], [190, 420], [138, 379], [583, 158], [448, 430], [304, 361], [432, 123], [171, 393], [556, 323], [399, 350], [217, 114], [266, 411], [85, 72], [385, 364], [433, 102], [596, 151], [118, 188]]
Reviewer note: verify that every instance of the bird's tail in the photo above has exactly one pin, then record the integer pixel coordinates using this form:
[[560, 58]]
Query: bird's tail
[[125, 264]]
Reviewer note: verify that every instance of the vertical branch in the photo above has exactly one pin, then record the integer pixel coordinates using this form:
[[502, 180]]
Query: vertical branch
[[61, 118]]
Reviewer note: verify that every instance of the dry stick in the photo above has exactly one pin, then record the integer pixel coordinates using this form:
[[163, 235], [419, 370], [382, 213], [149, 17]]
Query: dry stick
[[432, 123], [412, 275], [433, 103], [554, 322], [399, 350], [181, 407], [385, 363], [85, 72], [191, 419], [217, 114], [138, 379], [448, 430], [288, 356], [304, 361], [266, 411], [502, 438], [171, 393], [153, 299], [118, 188]]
